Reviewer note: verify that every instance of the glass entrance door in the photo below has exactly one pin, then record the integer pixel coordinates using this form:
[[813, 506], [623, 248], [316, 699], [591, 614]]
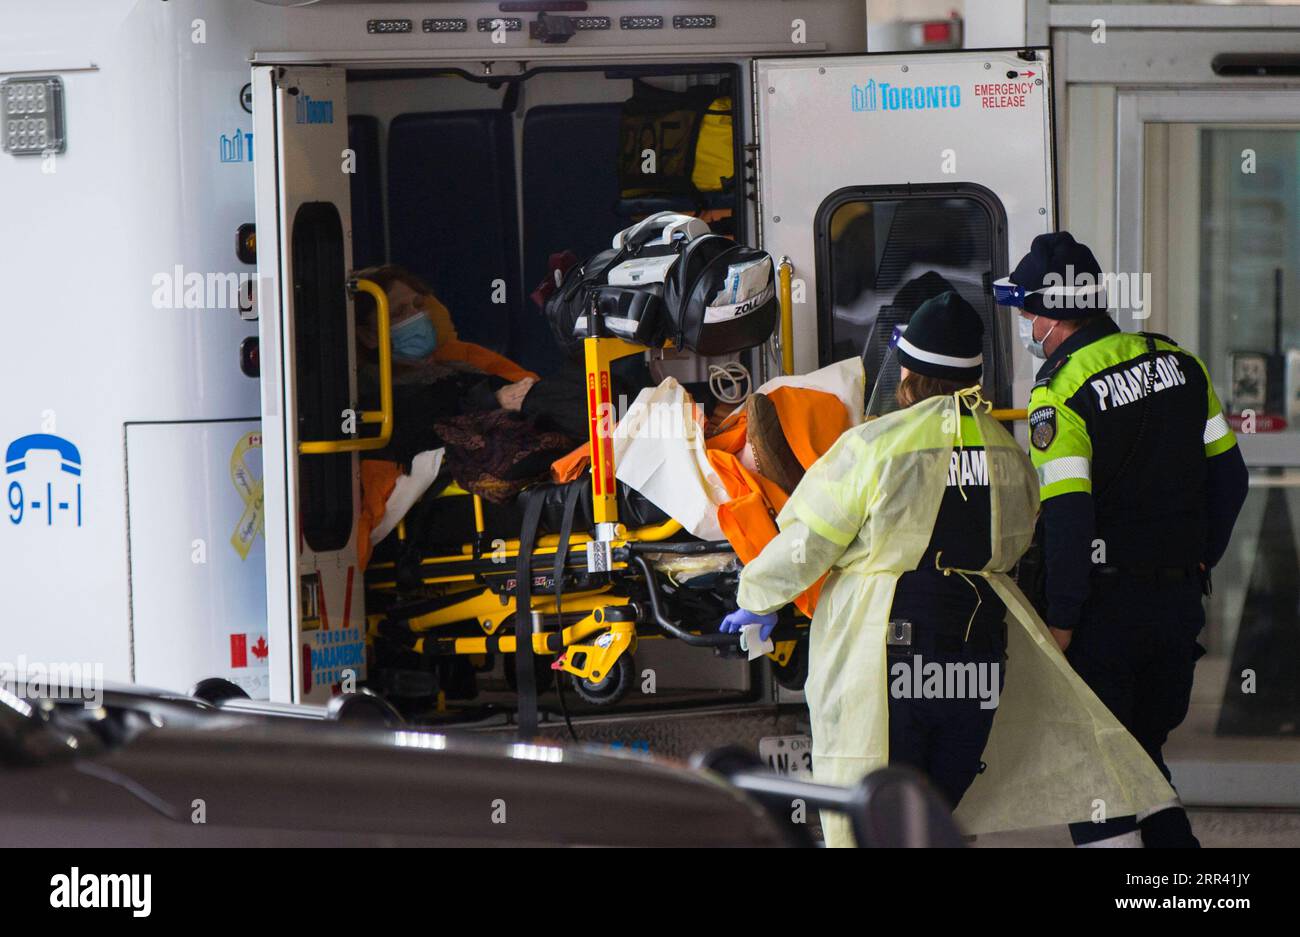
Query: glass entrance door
[[1211, 191]]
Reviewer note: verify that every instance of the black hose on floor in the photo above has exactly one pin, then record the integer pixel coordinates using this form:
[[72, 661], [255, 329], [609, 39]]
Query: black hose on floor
[[564, 706]]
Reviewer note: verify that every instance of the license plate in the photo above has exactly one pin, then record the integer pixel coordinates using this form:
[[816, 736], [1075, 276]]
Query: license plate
[[790, 755]]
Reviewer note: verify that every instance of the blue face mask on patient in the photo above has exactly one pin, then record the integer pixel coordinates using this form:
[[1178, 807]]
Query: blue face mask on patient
[[415, 339]]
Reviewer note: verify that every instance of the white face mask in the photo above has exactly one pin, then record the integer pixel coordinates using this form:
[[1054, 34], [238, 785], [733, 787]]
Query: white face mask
[[1032, 345]]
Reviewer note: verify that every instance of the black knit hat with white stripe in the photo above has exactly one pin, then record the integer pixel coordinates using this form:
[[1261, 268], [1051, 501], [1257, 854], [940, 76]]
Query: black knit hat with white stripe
[[1059, 279], [944, 339]]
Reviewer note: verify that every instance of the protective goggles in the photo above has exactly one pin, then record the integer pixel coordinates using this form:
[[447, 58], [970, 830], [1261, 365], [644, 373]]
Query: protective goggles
[[1006, 293], [1049, 299]]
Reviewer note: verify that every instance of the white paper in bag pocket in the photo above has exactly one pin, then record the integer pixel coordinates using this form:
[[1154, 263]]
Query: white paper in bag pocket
[[659, 450], [745, 289]]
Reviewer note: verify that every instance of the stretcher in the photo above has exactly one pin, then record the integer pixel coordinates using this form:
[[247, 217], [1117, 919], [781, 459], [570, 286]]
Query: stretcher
[[590, 595]]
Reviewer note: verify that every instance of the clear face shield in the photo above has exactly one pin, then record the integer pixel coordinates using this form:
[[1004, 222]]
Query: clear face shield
[[885, 378], [880, 357]]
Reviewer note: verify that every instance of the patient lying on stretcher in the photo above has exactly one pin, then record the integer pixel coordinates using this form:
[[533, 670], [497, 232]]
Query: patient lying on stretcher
[[503, 428], [435, 373]]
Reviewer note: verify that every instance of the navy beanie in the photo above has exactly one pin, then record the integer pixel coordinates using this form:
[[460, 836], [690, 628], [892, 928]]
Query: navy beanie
[[1059, 278], [944, 339]]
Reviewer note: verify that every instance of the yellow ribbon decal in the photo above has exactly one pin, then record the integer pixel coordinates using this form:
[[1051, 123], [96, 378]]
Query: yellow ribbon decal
[[250, 489]]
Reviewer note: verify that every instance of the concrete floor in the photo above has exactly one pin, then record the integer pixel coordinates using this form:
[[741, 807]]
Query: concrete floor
[[1214, 827]]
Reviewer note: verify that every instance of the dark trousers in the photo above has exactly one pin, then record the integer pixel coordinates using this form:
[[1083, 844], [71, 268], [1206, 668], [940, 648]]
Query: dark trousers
[[944, 737], [1136, 647]]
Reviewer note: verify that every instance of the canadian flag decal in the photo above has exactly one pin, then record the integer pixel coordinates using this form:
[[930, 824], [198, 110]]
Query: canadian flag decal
[[239, 650]]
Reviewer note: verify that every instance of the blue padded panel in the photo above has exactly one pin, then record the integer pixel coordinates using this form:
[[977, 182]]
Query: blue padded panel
[[451, 210], [570, 173], [367, 193]]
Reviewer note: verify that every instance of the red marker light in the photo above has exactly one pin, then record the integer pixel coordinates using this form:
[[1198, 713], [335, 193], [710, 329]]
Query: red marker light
[[936, 32]]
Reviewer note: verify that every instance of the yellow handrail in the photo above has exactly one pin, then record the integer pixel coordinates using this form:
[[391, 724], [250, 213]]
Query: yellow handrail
[[1008, 416], [384, 415], [785, 272]]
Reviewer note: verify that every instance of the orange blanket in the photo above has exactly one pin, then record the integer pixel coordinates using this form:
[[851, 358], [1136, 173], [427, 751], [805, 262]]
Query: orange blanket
[[485, 359], [812, 420], [378, 478]]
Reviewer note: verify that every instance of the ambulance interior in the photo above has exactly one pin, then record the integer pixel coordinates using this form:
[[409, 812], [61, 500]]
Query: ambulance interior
[[544, 178]]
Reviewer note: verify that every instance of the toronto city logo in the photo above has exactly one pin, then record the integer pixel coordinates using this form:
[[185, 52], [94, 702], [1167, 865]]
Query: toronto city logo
[[237, 147], [307, 110], [887, 97]]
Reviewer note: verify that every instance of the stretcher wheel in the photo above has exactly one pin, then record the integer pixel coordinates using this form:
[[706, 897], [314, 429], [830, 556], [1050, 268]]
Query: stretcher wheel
[[794, 674], [216, 690], [364, 707], [543, 676], [612, 688]]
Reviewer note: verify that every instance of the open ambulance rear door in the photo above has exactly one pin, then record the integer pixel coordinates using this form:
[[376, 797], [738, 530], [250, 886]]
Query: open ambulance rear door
[[309, 396], [885, 177]]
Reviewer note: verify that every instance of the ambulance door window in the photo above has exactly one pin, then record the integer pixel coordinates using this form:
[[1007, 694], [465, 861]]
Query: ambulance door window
[[884, 250], [321, 345]]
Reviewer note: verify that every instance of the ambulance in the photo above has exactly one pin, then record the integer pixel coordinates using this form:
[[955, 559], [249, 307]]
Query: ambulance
[[185, 186]]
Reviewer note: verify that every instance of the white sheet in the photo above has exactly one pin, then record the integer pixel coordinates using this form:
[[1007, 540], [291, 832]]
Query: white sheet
[[845, 379], [408, 490], [659, 450]]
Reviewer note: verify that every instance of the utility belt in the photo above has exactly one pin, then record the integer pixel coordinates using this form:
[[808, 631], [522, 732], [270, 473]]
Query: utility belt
[[1153, 574], [906, 638]]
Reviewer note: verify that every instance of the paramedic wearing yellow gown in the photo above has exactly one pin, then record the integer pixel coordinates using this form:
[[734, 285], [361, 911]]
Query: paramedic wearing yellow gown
[[918, 516]]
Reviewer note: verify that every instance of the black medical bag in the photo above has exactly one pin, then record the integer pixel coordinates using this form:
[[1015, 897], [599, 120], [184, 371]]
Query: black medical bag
[[674, 307]]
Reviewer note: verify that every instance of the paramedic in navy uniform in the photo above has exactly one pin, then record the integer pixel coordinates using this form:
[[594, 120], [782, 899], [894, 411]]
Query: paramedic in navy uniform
[[1141, 481]]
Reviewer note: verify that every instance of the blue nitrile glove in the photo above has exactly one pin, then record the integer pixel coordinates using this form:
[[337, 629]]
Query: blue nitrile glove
[[740, 618]]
